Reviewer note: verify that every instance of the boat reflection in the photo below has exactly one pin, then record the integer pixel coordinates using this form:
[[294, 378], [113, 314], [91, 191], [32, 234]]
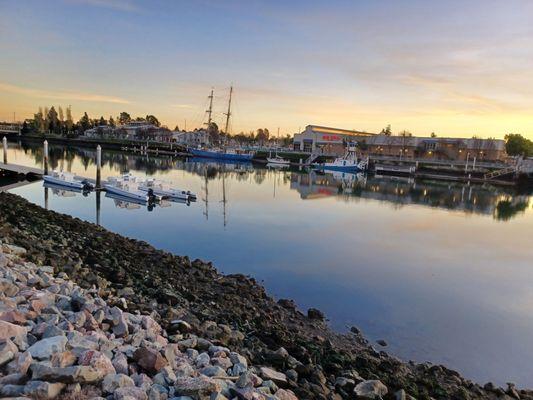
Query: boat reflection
[[64, 191], [129, 203]]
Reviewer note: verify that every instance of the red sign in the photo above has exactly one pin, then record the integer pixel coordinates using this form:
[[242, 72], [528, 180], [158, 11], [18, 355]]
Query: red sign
[[331, 138]]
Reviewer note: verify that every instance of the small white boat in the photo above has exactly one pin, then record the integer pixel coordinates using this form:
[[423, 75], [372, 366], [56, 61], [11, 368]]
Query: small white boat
[[66, 179], [278, 160], [128, 186], [161, 188]]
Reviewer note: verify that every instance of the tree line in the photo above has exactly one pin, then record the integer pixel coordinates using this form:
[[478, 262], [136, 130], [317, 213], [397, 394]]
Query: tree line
[[50, 120]]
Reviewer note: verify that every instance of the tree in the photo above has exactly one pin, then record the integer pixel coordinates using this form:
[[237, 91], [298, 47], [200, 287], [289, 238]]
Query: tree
[[213, 131], [177, 128], [386, 131], [84, 123], [517, 145], [112, 122], [25, 129], [124, 118], [39, 121], [433, 135], [152, 120], [262, 135], [405, 133], [53, 120], [102, 121], [69, 123]]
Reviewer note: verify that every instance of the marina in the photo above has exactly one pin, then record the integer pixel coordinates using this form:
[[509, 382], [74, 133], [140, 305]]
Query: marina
[[257, 212]]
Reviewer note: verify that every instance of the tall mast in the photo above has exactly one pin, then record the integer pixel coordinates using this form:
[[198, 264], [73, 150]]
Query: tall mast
[[210, 111], [229, 110]]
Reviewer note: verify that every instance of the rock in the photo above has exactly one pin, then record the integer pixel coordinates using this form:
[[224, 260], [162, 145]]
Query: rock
[[149, 359], [12, 391], [238, 369], [130, 392], [5, 357], [371, 389], [9, 330], [16, 378], [278, 378], [199, 387], [213, 371], [236, 358], [64, 359], [73, 374], [45, 348], [313, 313], [381, 342], [203, 360], [98, 361], [180, 326], [120, 362], [114, 381], [21, 363], [43, 390], [283, 394]]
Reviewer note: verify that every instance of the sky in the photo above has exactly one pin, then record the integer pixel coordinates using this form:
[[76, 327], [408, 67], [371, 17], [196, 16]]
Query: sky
[[456, 68]]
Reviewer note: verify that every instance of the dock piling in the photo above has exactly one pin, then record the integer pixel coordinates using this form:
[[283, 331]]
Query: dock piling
[[45, 157], [4, 145], [98, 165]]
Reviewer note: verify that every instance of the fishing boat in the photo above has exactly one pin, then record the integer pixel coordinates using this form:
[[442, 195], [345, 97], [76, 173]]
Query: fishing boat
[[164, 189], [66, 179], [277, 160], [128, 186], [348, 162], [223, 154]]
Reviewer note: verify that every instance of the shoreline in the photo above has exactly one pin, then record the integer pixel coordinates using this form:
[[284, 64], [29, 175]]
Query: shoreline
[[193, 291]]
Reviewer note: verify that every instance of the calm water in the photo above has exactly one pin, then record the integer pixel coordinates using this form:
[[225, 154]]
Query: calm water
[[443, 272]]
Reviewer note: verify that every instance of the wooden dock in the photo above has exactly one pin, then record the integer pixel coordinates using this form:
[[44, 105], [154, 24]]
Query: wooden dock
[[21, 169]]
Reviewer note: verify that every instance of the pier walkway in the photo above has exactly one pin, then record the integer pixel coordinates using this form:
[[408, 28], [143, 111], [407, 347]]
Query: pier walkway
[[21, 169]]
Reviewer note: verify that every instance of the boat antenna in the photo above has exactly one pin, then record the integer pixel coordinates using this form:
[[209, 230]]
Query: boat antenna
[[229, 110], [210, 110]]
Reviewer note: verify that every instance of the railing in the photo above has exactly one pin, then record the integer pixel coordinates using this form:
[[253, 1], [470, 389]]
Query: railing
[[500, 172]]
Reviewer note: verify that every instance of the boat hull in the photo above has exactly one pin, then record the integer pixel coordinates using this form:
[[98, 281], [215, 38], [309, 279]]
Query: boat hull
[[221, 156], [172, 194], [61, 182], [137, 195], [278, 162], [347, 168]]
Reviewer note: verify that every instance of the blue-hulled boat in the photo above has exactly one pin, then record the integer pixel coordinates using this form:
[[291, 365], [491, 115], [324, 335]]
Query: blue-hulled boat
[[347, 163], [222, 154]]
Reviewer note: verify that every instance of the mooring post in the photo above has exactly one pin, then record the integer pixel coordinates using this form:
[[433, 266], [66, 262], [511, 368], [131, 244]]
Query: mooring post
[[98, 194], [4, 143], [45, 157], [98, 165]]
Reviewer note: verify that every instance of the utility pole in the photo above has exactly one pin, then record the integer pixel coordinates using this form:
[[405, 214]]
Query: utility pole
[[210, 111], [229, 110], [185, 129]]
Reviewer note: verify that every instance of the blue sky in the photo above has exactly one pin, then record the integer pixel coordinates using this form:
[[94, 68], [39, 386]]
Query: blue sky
[[456, 68]]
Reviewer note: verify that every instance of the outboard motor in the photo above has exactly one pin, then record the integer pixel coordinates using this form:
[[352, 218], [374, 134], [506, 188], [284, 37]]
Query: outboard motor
[[151, 196]]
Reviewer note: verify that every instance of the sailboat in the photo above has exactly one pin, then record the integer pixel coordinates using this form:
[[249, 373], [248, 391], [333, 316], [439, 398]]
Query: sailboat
[[222, 153]]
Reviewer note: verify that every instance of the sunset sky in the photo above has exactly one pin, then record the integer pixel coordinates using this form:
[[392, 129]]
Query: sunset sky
[[456, 68]]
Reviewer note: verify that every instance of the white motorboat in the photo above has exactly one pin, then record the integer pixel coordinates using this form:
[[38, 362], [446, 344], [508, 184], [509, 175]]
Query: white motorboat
[[66, 179], [277, 160], [164, 189], [128, 186], [347, 163]]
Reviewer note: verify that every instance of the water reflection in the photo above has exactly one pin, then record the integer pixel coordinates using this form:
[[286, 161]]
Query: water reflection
[[499, 202]]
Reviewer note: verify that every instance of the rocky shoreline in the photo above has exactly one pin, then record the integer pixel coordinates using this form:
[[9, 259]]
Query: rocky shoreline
[[194, 303]]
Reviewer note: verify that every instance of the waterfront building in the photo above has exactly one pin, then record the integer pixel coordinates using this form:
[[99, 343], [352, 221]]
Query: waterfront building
[[100, 131], [194, 139], [332, 141], [326, 140]]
